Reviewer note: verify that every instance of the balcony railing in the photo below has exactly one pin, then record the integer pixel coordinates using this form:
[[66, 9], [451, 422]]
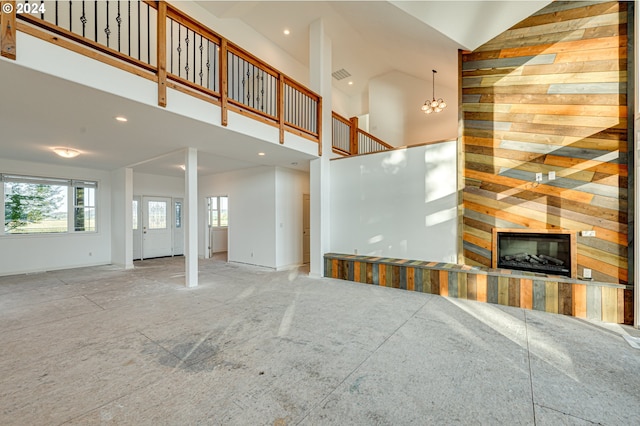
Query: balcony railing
[[155, 40], [348, 139]]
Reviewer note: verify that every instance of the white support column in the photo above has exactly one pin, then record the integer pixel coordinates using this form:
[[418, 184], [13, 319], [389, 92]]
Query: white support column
[[320, 78], [122, 218], [191, 217]]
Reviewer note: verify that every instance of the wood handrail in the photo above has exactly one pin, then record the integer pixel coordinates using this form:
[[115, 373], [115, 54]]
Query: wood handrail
[[299, 87], [194, 25], [340, 118], [159, 71]]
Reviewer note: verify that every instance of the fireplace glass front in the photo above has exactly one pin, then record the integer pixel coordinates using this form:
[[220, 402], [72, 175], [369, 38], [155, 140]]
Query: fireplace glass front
[[544, 253]]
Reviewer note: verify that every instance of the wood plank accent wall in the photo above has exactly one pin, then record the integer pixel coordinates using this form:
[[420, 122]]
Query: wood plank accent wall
[[593, 300], [550, 94]]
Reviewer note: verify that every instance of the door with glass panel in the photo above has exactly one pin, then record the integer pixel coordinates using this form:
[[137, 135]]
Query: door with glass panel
[[157, 227]]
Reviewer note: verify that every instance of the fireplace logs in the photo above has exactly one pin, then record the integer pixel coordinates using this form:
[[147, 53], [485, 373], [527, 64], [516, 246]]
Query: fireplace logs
[[540, 262]]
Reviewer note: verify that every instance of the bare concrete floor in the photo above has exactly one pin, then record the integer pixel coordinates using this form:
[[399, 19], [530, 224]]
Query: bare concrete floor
[[256, 347]]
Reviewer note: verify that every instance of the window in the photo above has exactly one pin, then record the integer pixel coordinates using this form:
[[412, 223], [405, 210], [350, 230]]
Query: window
[[178, 214], [218, 211], [84, 208], [36, 205], [134, 209], [157, 215]]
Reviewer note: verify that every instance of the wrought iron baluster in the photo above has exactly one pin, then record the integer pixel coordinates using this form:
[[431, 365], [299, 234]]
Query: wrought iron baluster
[[107, 31], [148, 34], [119, 21], [129, 27], [139, 32], [70, 18], [171, 21], [200, 74], [194, 56], [186, 50], [262, 93], [95, 20], [83, 19], [56, 14], [208, 65], [179, 49]]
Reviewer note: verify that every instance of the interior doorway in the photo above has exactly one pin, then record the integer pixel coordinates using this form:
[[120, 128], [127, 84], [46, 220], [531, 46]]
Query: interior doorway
[[217, 226]]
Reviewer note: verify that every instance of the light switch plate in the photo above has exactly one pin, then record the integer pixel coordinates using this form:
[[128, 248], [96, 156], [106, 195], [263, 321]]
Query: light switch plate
[[586, 273], [588, 233], [538, 177], [552, 175]]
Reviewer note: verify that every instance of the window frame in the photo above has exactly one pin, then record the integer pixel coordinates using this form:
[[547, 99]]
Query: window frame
[[71, 185], [218, 210]]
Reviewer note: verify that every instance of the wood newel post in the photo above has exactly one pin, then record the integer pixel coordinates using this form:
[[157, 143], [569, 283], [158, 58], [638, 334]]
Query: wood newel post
[[281, 106], [353, 136], [162, 53], [224, 81], [8, 30], [320, 126]]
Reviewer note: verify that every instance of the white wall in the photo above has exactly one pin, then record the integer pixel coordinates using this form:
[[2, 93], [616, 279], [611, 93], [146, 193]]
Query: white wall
[[394, 110], [156, 185], [36, 253], [290, 187], [399, 204]]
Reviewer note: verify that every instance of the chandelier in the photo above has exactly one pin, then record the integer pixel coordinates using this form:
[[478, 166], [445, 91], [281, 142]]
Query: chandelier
[[433, 105]]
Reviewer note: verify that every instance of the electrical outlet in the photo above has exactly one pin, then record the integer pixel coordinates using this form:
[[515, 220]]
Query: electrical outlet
[[538, 177], [552, 175], [588, 233], [586, 273]]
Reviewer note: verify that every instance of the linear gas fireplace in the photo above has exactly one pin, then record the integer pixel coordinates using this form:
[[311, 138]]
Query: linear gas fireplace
[[547, 251]]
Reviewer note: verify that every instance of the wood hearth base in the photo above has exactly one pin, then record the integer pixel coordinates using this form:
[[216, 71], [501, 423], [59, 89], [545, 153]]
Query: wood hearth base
[[593, 300]]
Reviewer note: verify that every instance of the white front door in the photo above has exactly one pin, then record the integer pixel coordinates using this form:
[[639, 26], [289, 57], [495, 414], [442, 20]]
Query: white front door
[[178, 229], [156, 227]]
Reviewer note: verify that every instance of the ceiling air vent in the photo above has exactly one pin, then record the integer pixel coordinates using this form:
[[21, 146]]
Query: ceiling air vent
[[341, 74]]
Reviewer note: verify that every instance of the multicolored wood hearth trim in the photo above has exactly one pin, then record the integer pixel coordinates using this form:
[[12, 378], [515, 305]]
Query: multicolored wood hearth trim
[[583, 299]]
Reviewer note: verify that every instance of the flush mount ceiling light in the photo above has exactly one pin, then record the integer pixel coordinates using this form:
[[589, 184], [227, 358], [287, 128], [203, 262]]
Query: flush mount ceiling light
[[122, 119], [286, 31], [433, 105], [66, 152], [261, 154]]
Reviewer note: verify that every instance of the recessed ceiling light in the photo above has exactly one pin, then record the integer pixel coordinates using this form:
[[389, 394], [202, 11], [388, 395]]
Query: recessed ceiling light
[[351, 83], [66, 152], [286, 31], [122, 119], [261, 154]]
